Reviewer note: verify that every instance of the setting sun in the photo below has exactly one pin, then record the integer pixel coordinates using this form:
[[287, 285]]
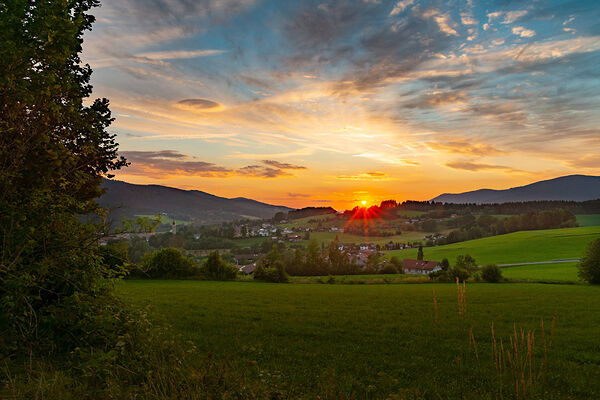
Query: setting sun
[[364, 202]]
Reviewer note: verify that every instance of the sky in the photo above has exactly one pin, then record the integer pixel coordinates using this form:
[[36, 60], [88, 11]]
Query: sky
[[331, 102]]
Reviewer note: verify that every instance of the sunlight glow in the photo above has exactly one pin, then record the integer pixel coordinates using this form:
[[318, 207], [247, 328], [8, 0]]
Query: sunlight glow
[[364, 202]]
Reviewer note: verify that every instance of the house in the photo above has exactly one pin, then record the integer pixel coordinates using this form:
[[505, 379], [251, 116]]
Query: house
[[422, 267], [248, 269]]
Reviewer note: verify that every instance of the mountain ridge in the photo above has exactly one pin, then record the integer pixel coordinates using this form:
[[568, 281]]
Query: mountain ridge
[[129, 199], [568, 188]]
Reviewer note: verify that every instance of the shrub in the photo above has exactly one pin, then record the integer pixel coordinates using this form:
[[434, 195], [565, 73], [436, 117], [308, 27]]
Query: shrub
[[457, 272], [397, 262], [168, 263], [491, 274], [214, 268], [388, 269], [465, 261], [589, 266], [271, 268]]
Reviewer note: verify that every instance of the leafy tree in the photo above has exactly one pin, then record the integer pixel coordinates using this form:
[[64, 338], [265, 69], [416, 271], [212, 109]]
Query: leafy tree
[[388, 268], [168, 263], [271, 268], [491, 273], [420, 253], [397, 263], [589, 265], [445, 264], [214, 268], [54, 150], [465, 261]]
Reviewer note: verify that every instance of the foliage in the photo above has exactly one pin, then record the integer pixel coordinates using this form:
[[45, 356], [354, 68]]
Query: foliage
[[589, 266], [397, 263], [420, 253], [465, 261], [271, 268], [445, 264], [388, 269], [214, 268], [54, 150], [168, 263], [491, 273]]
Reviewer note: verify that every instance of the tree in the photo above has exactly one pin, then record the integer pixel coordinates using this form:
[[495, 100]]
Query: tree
[[589, 265], [215, 268], [420, 253], [491, 274], [168, 263], [445, 264], [397, 263], [271, 268], [54, 150], [465, 261]]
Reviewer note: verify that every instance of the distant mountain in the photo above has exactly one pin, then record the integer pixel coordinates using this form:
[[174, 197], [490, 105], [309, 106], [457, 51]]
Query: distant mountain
[[126, 199], [572, 187]]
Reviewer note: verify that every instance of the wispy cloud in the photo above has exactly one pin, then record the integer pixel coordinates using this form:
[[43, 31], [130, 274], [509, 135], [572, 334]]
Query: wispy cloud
[[176, 54]]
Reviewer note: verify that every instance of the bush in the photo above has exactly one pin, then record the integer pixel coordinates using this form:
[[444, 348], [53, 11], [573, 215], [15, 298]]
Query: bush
[[271, 268], [491, 274], [589, 266], [214, 268], [167, 263], [388, 269], [457, 272]]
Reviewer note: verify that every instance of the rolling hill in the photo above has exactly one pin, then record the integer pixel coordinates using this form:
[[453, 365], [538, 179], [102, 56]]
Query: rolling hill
[[570, 188], [126, 199]]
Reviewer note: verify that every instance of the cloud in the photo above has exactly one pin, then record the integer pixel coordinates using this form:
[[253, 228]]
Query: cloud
[[260, 171], [474, 167], [401, 6], [298, 195], [464, 146], [165, 163], [169, 162], [512, 16], [523, 32], [175, 54], [366, 176], [178, 11], [199, 105], [588, 161], [281, 165]]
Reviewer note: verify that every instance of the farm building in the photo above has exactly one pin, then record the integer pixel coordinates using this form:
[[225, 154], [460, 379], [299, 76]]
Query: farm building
[[420, 266]]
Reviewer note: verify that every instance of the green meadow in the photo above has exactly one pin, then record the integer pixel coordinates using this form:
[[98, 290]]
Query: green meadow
[[518, 247], [381, 341], [588, 219], [557, 272]]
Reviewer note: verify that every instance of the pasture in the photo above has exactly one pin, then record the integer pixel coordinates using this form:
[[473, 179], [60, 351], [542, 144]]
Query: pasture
[[380, 341], [518, 247], [588, 219], [557, 272]]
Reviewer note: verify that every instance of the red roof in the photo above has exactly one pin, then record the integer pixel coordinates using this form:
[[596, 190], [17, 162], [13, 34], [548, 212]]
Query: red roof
[[423, 265]]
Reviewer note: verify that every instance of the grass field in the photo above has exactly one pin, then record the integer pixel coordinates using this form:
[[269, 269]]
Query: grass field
[[379, 341], [588, 219], [558, 272], [525, 246]]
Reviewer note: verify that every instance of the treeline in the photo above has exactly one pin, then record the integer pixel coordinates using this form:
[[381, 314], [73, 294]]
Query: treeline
[[472, 227], [576, 207], [315, 260], [310, 212]]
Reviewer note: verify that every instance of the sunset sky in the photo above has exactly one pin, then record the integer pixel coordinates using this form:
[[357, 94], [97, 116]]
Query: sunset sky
[[316, 103]]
